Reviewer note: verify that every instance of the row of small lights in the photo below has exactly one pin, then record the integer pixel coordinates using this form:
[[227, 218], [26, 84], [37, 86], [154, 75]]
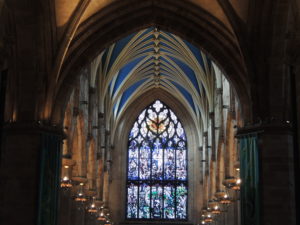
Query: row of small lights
[[102, 213], [208, 214], [214, 206]]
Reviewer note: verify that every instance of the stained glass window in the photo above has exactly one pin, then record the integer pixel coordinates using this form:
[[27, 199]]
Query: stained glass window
[[157, 166]]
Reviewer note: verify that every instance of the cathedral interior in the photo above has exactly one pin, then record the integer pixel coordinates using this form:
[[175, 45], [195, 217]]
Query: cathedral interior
[[131, 112]]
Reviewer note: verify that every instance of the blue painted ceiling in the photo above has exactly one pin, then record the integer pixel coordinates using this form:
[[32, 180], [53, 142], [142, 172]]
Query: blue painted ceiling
[[153, 58]]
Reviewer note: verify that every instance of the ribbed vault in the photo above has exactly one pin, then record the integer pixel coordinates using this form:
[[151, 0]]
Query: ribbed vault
[[155, 59], [113, 23]]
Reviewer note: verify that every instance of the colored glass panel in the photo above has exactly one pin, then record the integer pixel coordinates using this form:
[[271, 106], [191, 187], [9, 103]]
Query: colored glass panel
[[132, 196], [156, 202], [157, 166], [181, 201], [144, 201], [169, 202]]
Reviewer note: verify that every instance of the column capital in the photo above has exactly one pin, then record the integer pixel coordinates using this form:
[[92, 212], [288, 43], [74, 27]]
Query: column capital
[[33, 127], [283, 127]]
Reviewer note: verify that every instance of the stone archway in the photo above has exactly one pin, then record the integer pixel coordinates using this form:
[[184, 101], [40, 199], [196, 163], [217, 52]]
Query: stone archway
[[117, 195]]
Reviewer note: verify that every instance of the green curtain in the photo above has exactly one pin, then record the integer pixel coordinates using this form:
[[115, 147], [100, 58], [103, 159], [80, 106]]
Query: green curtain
[[49, 178], [249, 172]]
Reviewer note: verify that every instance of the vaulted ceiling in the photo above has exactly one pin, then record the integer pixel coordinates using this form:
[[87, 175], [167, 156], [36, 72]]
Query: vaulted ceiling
[[152, 59]]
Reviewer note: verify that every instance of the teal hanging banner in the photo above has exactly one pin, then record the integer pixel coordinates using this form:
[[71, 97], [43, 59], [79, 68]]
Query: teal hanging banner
[[249, 172], [49, 178]]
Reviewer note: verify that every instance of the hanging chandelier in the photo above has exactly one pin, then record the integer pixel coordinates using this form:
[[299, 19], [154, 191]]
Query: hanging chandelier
[[232, 183], [92, 208], [101, 216], [223, 197], [206, 216], [66, 182], [214, 206], [80, 197]]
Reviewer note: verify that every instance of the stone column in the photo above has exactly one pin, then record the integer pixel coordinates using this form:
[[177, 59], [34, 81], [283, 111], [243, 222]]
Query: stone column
[[277, 176], [213, 135], [276, 173], [65, 194], [101, 154], [78, 213], [30, 171], [65, 207]]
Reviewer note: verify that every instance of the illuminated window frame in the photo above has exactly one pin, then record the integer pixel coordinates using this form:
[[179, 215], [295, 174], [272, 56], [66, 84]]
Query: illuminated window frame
[[157, 182]]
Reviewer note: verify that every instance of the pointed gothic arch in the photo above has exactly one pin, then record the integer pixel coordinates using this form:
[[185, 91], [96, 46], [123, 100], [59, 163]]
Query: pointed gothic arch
[[157, 166]]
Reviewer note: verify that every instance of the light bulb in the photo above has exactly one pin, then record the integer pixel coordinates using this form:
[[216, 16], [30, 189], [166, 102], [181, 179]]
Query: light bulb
[[239, 181], [226, 196], [65, 178]]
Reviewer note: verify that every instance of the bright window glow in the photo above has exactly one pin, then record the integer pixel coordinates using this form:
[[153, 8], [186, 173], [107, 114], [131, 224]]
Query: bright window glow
[[157, 166]]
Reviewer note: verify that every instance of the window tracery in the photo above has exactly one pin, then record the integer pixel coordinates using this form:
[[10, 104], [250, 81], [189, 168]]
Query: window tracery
[[157, 166]]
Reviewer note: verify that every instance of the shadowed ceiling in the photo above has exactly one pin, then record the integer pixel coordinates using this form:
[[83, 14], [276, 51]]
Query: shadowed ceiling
[[65, 9]]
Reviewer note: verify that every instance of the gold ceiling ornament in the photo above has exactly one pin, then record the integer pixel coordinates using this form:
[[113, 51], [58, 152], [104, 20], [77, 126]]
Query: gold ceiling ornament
[[223, 197], [232, 183], [80, 197]]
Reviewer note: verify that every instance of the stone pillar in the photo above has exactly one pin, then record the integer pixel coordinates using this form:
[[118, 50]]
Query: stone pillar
[[65, 207], [66, 194], [30, 171], [101, 154], [276, 173], [106, 175], [277, 176], [78, 213], [213, 135]]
